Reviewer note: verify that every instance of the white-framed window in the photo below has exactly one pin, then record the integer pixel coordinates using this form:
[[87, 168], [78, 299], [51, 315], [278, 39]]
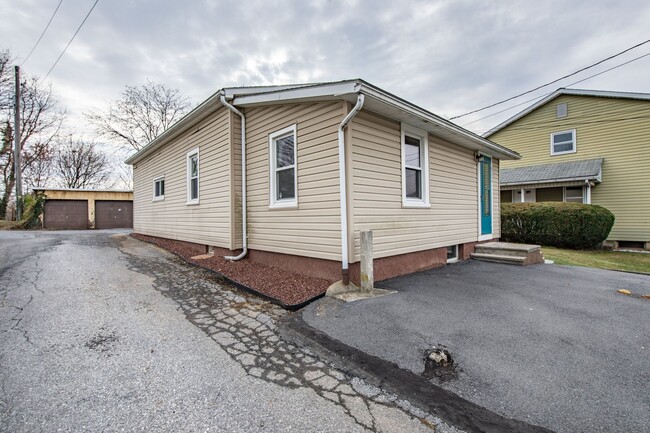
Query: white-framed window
[[415, 167], [563, 142], [573, 194], [283, 168], [193, 176], [159, 188], [452, 253]]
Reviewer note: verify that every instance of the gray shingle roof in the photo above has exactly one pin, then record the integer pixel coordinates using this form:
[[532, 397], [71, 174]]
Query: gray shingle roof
[[588, 169]]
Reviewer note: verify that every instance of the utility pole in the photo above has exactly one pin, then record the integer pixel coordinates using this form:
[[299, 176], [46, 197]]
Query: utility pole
[[17, 165]]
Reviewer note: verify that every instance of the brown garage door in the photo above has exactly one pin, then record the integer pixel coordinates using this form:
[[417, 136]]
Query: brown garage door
[[113, 214], [65, 214]]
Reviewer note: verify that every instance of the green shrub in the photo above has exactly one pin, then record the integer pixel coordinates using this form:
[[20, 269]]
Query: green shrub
[[565, 225], [33, 205]]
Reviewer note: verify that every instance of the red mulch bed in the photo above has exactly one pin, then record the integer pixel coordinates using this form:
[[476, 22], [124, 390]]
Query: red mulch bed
[[289, 288]]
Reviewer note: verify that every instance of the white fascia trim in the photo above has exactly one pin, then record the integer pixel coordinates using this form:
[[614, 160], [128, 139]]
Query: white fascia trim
[[431, 118], [160, 197], [193, 152], [331, 90], [423, 135], [273, 202]]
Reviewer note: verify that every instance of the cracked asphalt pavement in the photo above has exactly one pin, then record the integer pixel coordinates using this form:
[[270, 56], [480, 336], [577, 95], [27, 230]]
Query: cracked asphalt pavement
[[102, 332]]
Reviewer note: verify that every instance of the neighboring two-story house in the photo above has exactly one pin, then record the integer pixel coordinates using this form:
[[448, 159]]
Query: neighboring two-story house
[[583, 146]]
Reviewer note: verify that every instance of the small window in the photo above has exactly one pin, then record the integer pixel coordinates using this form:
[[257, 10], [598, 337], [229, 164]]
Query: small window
[[563, 142], [573, 194], [452, 253], [283, 168], [415, 167], [561, 110], [159, 188], [193, 177]]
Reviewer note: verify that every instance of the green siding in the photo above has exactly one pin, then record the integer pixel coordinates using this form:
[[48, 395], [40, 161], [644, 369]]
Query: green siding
[[617, 130]]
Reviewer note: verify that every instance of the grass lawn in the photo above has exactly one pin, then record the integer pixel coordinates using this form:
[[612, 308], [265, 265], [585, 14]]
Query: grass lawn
[[621, 261]]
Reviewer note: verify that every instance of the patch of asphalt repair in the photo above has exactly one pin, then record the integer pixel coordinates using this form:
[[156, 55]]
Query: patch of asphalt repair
[[421, 392], [246, 328]]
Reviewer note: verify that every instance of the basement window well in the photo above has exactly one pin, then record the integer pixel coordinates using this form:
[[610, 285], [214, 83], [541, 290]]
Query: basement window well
[[452, 253]]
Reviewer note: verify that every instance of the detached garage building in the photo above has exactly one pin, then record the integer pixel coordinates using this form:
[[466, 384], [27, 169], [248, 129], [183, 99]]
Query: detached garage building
[[78, 209]]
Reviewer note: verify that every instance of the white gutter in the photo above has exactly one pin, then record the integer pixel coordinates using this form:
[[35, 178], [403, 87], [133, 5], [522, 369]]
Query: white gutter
[[243, 179], [343, 190]]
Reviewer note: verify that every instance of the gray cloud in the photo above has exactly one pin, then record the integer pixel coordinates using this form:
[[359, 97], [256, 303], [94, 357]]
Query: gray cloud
[[447, 56]]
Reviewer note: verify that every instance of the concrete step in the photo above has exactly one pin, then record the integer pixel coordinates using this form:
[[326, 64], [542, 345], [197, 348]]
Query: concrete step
[[508, 249], [500, 258]]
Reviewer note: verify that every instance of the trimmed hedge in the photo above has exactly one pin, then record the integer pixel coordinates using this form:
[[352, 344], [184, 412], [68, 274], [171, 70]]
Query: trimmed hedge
[[565, 225]]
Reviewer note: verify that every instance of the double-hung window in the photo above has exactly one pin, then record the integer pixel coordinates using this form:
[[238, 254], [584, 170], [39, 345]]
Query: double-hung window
[[159, 188], [283, 168], [563, 142], [415, 167], [193, 176]]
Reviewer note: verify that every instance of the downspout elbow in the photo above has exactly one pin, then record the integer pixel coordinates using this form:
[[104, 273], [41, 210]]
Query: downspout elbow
[[243, 180]]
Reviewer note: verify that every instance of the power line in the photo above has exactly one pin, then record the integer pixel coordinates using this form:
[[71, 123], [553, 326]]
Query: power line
[[550, 93], [71, 39], [551, 82], [42, 34]]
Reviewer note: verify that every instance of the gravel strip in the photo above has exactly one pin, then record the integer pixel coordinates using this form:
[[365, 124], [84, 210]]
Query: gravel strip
[[290, 288]]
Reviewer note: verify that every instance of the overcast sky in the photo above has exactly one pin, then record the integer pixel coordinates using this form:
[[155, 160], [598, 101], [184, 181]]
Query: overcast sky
[[446, 56]]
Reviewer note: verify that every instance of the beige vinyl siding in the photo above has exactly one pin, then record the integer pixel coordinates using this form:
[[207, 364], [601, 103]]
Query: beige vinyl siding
[[377, 192], [205, 223], [313, 228], [615, 129]]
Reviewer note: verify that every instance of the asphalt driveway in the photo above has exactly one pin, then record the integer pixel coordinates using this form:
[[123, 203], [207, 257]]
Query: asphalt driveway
[[549, 345]]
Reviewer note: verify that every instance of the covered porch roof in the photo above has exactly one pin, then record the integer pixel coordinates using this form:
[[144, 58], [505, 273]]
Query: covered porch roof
[[562, 172]]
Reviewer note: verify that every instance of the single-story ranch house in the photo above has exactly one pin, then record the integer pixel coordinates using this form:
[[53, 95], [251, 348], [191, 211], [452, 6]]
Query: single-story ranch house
[[289, 176]]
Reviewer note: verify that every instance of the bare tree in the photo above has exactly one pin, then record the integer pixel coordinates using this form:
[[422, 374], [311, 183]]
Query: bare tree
[[140, 115], [41, 122], [80, 165]]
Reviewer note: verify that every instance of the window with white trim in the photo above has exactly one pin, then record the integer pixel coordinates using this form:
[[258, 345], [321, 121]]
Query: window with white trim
[[563, 142], [159, 188], [283, 168], [573, 194], [452, 253], [415, 167], [193, 176]]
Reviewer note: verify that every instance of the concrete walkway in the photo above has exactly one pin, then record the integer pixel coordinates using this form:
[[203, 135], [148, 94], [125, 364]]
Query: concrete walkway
[[549, 345]]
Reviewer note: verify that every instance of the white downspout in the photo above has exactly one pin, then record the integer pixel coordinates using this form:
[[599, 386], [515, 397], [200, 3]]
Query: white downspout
[[343, 190], [243, 180]]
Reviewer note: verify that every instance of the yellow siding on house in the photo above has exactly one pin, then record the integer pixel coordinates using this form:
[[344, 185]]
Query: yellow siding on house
[[377, 192], [615, 129], [313, 229], [208, 222]]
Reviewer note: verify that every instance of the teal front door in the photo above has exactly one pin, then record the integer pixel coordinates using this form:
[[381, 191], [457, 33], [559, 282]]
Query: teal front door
[[486, 195]]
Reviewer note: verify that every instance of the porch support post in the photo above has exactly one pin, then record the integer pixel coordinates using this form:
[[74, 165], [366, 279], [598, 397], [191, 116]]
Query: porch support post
[[523, 195], [588, 194]]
